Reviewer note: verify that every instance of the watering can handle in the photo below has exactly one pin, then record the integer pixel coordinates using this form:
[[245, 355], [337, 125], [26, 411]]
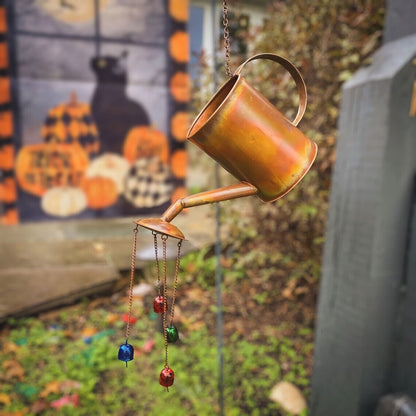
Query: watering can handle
[[300, 83]]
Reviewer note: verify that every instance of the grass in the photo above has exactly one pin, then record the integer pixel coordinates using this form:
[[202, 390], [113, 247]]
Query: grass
[[60, 349]]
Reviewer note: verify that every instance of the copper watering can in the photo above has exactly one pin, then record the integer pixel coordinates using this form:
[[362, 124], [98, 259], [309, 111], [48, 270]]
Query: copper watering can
[[249, 137]]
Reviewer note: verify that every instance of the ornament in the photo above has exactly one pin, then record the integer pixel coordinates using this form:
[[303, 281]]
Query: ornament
[[167, 377], [126, 352], [159, 304], [172, 333]]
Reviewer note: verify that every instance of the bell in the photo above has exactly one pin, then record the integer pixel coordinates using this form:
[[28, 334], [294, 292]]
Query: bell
[[126, 352], [167, 377], [172, 334], [159, 304], [249, 137]]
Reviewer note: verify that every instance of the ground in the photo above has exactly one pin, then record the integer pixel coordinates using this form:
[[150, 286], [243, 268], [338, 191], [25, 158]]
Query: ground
[[64, 361]]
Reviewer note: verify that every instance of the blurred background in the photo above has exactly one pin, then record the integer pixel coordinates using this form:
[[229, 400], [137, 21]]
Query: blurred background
[[96, 97]]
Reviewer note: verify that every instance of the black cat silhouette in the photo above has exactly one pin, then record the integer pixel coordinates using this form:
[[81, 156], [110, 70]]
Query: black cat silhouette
[[114, 113]]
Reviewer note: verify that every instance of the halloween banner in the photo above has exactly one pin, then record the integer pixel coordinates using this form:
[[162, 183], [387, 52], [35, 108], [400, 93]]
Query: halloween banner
[[93, 107]]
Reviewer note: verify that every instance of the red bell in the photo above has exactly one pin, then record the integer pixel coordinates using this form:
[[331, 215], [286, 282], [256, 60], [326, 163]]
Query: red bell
[[167, 376], [159, 304]]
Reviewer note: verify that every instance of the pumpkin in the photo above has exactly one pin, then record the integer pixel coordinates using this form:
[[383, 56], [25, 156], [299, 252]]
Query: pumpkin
[[109, 165], [4, 90], [179, 46], [10, 217], [178, 9], [40, 167], [63, 201], [145, 141], [72, 122], [4, 57], [179, 125], [6, 156], [178, 163], [8, 192], [101, 192], [148, 183], [3, 19], [6, 124], [180, 87]]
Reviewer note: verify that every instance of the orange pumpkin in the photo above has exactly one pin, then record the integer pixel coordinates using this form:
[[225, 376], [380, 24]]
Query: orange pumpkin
[[10, 217], [8, 192], [178, 163], [179, 125], [3, 20], [178, 9], [4, 58], [180, 87], [100, 192], [5, 90], [72, 122], [6, 156], [6, 124], [179, 46], [143, 141], [46, 165]]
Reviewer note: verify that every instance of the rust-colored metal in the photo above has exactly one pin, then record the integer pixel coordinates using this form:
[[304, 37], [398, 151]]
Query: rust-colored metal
[[250, 138], [162, 227]]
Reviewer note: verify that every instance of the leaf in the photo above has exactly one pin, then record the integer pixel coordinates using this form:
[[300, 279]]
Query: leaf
[[10, 347], [52, 387], [5, 399], [67, 385], [125, 318], [13, 369], [27, 390], [39, 406], [21, 412], [148, 346], [67, 400]]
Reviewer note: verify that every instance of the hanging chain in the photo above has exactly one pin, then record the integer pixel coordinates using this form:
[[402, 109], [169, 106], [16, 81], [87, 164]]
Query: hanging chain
[[165, 304], [156, 261], [175, 284], [227, 42], [132, 270]]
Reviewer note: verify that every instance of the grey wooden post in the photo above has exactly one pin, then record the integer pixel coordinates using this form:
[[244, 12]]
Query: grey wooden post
[[366, 241], [400, 19]]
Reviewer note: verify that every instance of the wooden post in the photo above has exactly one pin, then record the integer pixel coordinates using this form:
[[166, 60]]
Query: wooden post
[[367, 238]]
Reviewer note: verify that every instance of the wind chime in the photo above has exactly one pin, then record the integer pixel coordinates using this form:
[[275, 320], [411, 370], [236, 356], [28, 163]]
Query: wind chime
[[249, 137]]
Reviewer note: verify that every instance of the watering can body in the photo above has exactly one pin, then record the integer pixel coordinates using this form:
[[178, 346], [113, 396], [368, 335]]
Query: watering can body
[[250, 138]]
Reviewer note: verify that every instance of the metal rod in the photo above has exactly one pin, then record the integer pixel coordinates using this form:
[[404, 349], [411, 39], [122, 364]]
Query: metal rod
[[218, 268], [217, 195]]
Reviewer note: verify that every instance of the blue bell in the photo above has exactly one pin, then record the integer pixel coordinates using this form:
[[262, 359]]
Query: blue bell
[[126, 352]]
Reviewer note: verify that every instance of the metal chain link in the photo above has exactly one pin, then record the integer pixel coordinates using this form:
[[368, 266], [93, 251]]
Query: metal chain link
[[165, 304], [156, 261], [132, 270], [227, 41]]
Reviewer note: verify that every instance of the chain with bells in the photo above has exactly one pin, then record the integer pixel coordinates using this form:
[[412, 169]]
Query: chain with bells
[[160, 305]]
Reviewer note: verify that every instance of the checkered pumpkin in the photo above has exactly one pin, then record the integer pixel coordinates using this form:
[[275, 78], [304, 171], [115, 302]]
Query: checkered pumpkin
[[148, 183], [70, 123]]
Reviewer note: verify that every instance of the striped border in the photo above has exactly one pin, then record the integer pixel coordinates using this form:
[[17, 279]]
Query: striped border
[[179, 87], [8, 188]]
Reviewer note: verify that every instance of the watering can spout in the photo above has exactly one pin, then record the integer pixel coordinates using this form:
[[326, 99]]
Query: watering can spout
[[162, 225]]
